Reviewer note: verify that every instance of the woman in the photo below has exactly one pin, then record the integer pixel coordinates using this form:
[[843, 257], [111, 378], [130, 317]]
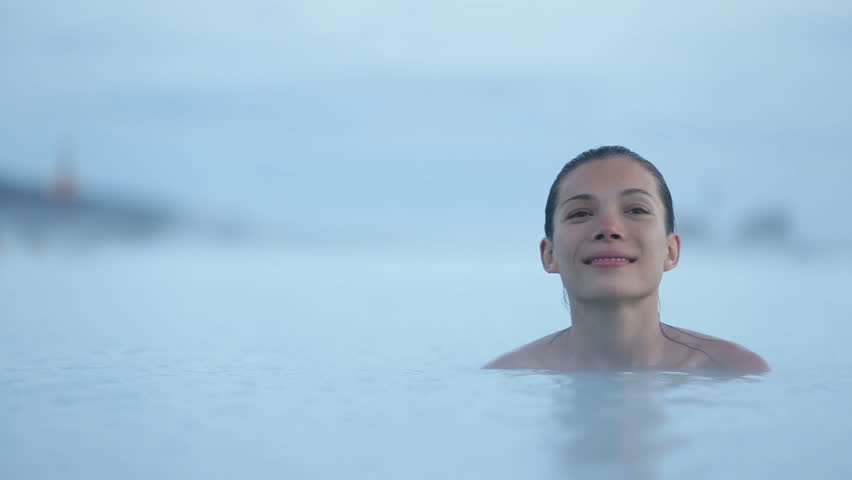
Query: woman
[[609, 234]]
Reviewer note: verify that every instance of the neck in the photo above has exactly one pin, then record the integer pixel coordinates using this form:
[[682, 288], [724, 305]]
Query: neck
[[611, 335]]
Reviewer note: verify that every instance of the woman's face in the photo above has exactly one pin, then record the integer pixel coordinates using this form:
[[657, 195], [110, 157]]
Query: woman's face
[[609, 236]]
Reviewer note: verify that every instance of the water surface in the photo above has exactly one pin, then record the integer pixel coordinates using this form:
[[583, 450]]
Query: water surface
[[177, 361]]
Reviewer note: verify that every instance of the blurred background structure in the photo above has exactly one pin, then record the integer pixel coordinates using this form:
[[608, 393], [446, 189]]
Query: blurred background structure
[[394, 121]]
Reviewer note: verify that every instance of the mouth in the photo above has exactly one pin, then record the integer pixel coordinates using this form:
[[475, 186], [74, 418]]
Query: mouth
[[609, 261]]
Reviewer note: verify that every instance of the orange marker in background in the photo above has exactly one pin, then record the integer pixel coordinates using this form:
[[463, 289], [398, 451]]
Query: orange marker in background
[[64, 184]]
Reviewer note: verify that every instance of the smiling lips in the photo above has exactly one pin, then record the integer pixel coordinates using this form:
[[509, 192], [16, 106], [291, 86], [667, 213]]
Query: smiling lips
[[609, 259]]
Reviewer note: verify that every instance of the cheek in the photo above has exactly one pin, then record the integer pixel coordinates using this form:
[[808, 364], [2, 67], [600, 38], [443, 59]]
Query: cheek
[[661, 251], [565, 246]]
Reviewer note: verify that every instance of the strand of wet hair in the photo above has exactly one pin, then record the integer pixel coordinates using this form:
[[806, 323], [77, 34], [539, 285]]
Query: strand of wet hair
[[557, 336], [692, 335], [687, 345]]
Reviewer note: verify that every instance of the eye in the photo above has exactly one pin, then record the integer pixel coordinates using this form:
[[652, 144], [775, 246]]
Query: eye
[[638, 210], [578, 214]]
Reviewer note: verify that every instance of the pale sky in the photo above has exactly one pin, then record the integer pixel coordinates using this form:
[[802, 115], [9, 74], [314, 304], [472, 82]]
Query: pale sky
[[432, 116]]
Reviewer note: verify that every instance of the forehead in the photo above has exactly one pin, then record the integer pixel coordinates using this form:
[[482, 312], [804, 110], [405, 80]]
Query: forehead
[[608, 176]]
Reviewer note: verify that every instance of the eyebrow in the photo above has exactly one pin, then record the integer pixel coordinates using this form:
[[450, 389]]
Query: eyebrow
[[634, 191], [624, 193]]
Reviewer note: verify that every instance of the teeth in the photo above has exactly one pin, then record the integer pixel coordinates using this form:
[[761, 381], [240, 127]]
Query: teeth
[[610, 259]]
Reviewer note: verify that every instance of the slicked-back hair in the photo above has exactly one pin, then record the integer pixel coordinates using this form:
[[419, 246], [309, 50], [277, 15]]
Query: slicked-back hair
[[601, 153]]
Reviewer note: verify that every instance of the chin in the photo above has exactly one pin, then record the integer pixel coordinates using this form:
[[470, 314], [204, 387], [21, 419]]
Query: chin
[[612, 293]]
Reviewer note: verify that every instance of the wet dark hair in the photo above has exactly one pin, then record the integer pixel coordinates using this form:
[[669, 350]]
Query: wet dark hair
[[601, 153]]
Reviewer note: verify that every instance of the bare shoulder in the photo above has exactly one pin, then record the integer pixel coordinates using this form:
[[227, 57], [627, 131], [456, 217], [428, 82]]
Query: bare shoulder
[[526, 356], [724, 353]]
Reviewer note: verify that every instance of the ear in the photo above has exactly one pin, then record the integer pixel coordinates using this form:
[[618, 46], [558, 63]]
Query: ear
[[672, 252], [548, 261]]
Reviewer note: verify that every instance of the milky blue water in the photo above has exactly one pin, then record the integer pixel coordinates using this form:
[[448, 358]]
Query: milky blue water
[[190, 361]]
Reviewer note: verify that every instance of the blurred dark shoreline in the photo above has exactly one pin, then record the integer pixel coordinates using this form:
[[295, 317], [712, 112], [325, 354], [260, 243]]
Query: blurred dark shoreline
[[62, 215]]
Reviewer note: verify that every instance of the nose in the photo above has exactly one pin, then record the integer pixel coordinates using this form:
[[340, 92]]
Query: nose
[[609, 229], [608, 235]]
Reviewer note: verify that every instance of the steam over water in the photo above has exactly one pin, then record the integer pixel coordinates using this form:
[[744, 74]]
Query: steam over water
[[186, 361]]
